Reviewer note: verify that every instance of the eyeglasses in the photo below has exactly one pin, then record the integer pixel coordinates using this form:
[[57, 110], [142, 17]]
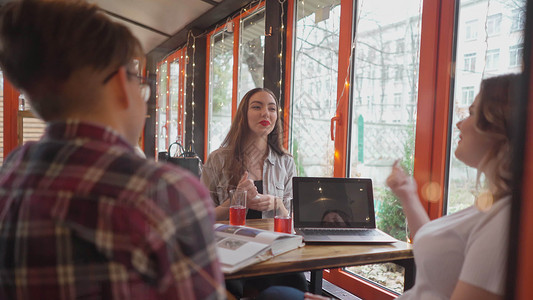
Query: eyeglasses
[[143, 83]]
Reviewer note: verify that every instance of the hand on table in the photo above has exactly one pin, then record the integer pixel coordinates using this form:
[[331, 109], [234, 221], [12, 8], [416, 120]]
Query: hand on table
[[261, 202]]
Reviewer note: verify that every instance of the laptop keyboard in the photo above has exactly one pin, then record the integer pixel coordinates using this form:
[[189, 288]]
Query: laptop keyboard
[[331, 232]]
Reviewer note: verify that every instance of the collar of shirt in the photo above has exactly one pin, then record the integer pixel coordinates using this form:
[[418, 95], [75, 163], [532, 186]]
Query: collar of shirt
[[270, 157], [76, 129]]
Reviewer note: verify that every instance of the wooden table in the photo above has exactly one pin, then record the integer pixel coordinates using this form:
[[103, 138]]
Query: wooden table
[[316, 257]]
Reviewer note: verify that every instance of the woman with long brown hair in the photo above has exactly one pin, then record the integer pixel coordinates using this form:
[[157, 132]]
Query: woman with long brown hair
[[252, 158]]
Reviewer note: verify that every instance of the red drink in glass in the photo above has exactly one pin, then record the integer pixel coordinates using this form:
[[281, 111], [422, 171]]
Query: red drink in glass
[[237, 215], [283, 224]]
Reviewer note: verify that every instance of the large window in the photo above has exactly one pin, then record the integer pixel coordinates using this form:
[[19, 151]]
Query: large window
[[251, 52], [314, 99], [462, 179], [220, 86], [383, 127], [170, 100]]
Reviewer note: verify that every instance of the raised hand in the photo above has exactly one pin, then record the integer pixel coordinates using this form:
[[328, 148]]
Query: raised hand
[[401, 184], [247, 185]]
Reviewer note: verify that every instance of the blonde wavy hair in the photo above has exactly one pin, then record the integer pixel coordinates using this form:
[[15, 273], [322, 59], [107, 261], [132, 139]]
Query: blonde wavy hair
[[494, 120]]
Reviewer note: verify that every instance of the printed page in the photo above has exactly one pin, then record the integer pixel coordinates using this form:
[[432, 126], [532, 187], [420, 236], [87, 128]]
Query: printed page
[[234, 252], [250, 234]]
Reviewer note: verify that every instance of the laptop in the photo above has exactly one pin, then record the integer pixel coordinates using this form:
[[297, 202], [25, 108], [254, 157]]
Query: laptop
[[336, 210]]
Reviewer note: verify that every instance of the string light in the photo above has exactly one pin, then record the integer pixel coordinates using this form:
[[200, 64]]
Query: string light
[[282, 3]]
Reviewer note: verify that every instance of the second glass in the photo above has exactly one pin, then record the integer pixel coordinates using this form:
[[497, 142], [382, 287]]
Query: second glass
[[237, 208], [283, 215]]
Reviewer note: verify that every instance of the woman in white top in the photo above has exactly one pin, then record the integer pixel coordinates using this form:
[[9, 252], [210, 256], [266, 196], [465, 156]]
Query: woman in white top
[[464, 255], [252, 156]]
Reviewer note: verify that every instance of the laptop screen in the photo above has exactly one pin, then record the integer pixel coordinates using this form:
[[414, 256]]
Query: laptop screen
[[323, 202]]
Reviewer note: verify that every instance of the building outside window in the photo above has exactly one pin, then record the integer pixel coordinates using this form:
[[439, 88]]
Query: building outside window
[[518, 19], [470, 62], [515, 55], [471, 30], [492, 59], [468, 96], [494, 24]]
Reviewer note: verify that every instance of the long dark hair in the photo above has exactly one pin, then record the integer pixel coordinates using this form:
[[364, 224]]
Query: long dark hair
[[239, 131]]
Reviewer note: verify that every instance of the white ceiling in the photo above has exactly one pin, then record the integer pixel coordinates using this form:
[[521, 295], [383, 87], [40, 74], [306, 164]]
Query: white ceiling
[[165, 17]]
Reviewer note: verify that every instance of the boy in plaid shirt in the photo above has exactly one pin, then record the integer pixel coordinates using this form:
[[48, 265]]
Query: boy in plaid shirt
[[81, 215]]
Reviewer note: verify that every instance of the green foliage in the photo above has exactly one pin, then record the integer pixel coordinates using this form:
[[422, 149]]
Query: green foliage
[[222, 72], [391, 218]]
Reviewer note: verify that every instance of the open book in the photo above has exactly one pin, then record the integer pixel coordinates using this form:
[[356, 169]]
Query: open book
[[241, 246]]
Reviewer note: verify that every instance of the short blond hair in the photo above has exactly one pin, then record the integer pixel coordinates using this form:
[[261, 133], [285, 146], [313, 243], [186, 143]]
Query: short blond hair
[[494, 120]]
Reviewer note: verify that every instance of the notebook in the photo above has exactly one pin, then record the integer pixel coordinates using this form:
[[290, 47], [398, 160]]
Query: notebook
[[337, 210]]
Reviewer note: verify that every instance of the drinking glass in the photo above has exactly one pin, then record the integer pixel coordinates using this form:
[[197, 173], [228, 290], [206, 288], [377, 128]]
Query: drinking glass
[[283, 215], [237, 208]]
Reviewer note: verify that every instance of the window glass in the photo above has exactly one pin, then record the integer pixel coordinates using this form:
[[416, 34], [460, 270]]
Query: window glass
[[494, 23], [383, 120], [383, 124], [471, 28], [518, 17], [314, 91], [251, 52], [174, 89], [220, 88], [161, 109], [470, 62], [515, 55], [491, 51], [492, 59]]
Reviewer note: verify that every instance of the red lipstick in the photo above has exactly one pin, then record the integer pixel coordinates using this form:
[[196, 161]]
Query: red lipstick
[[264, 123]]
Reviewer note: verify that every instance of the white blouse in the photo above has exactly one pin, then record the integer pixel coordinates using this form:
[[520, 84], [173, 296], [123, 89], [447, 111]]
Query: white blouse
[[469, 245]]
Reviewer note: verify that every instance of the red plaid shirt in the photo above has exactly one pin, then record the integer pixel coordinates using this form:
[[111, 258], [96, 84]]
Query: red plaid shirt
[[82, 217]]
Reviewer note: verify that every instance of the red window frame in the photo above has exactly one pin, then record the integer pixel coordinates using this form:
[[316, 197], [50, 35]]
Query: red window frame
[[11, 96], [180, 56]]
